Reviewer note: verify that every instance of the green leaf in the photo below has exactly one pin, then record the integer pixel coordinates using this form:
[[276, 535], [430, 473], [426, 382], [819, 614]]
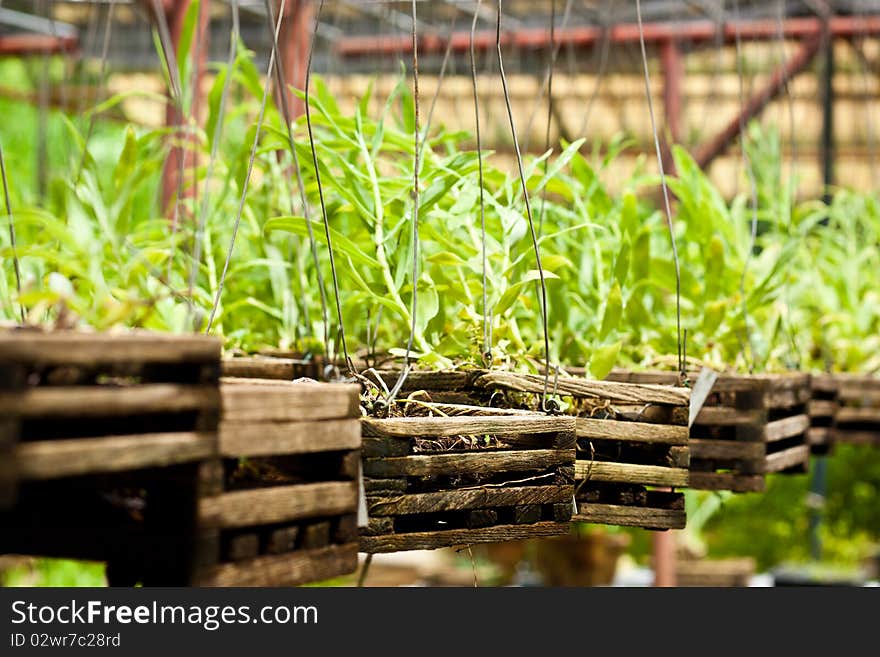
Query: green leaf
[[603, 359], [341, 244], [613, 311]]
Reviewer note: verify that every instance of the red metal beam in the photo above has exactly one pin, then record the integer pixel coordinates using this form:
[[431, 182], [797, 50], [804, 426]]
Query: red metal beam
[[672, 65], [588, 36], [19, 45], [799, 62]]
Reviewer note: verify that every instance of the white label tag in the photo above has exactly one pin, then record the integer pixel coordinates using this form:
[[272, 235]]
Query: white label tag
[[574, 505], [700, 392], [363, 514]]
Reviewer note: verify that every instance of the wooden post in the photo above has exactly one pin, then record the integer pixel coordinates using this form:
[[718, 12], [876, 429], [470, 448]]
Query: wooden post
[[664, 559], [672, 63], [180, 159], [293, 44]]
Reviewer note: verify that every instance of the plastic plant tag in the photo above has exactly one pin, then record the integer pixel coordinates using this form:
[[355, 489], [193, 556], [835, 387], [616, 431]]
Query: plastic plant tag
[[700, 392], [363, 514]]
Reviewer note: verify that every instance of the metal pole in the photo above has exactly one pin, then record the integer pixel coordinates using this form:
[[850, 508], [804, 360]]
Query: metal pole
[[827, 150]]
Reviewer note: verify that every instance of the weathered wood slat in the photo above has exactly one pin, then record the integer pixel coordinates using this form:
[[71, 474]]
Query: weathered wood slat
[[291, 569], [467, 463], [246, 400], [738, 483], [51, 459], [431, 381], [822, 407], [859, 394], [463, 425], [787, 458], [655, 378], [728, 416], [630, 516], [283, 369], [851, 415], [629, 473], [96, 401], [787, 398], [855, 437], [631, 393], [727, 449], [450, 537], [818, 435], [787, 427], [78, 348], [641, 432], [467, 499], [263, 506], [827, 383], [277, 438]]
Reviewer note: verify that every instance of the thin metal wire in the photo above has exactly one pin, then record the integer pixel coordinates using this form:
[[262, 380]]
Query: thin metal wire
[[487, 319], [108, 29], [551, 66], [415, 192], [442, 76], [247, 178], [215, 146], [525, 191], [753, 185], [666, 204], [313, 245], [327, 235], [15, 263]]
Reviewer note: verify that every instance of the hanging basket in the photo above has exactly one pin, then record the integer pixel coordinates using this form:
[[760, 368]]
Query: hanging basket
[[632, 440], [279, 505], [857, 420], [470, 475], [749, 426], [632, 447], [107, 431]]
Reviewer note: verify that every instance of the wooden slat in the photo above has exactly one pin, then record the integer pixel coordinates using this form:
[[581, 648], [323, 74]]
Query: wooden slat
[[737, 483], [291, 569], [854, 415], [822, 407], [787, 398], [655, 378], [51, 459], [818, 435], [630, 516], [461, 425], [827, 383], [787, 458], [728, 416], [786, 428], [482, 462], [640, 432], [629, 473], [468, 499], [842, 435], [77, 348], [860, 395], [727, 449], [283, 369], [263, 506], [451, 537], [452, 381], [247, 400], [98, 401], [276, 438], [630, 393]]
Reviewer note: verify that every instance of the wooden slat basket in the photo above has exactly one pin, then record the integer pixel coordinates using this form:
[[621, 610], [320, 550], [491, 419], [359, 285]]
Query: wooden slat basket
[[107, 431], [632, 447], [857, 420], [749, 426], [822, 410], [274, 367], [466, 475], [632, 439], [279, 505]]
